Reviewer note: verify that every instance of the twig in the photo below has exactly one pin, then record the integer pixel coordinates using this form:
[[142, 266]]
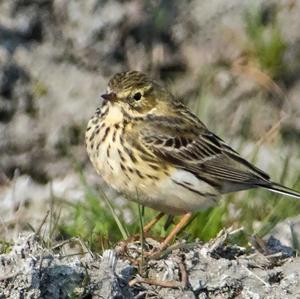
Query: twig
[[271, 131], [161, 283], [156, 255], [73, 254], [256, 276], [184, 275], [8, 276]]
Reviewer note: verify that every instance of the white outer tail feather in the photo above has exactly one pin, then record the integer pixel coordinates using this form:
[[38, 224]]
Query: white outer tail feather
[[277, 188]]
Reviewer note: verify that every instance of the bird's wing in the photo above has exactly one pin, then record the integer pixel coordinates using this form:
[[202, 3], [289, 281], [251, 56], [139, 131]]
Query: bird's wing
[[191, 146]]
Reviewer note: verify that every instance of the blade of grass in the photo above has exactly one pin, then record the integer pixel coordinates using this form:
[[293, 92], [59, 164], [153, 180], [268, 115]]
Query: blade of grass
[[142, 237], [121, 227]]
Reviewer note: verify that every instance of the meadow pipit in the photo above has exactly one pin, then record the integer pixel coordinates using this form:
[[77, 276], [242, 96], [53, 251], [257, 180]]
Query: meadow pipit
[[151, 147]]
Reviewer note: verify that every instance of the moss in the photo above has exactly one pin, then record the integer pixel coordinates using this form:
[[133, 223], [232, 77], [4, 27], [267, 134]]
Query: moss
[[39, 89]]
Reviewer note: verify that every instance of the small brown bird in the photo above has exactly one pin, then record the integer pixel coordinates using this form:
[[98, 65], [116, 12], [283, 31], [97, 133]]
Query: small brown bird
[[152, 148]]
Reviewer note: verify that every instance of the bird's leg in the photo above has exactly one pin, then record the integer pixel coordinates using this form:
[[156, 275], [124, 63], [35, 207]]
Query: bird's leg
[[150, 224], [182, 223]]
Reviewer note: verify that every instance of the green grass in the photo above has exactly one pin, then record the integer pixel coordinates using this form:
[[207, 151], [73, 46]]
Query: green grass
[[266, 41]]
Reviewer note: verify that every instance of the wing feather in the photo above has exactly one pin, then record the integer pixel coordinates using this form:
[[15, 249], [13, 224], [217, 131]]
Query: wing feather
[[191, 146]]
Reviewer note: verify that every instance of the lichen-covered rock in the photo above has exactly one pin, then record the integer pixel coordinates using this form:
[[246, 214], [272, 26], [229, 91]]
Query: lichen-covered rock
[[33, 270]]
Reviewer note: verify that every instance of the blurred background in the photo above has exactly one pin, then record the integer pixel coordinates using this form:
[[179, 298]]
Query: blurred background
[[235, 63]]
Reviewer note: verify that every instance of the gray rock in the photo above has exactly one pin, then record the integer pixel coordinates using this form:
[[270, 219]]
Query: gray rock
[[31, 270]]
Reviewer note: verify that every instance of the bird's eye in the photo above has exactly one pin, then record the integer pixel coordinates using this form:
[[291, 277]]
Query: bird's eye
[[137, 96]]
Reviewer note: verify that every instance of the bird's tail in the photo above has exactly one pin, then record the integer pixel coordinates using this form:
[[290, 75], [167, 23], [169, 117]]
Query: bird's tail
[[277, 188]]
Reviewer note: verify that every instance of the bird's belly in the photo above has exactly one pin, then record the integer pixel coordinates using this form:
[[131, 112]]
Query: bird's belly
[[180, 193], [177, 193], [164, 194]]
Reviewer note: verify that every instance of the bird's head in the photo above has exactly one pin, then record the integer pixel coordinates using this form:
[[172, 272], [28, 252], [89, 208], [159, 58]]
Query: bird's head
[[137, 95]]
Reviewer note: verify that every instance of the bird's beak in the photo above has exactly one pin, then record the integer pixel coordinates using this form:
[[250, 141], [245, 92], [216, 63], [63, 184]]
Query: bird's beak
[[111, 97]]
